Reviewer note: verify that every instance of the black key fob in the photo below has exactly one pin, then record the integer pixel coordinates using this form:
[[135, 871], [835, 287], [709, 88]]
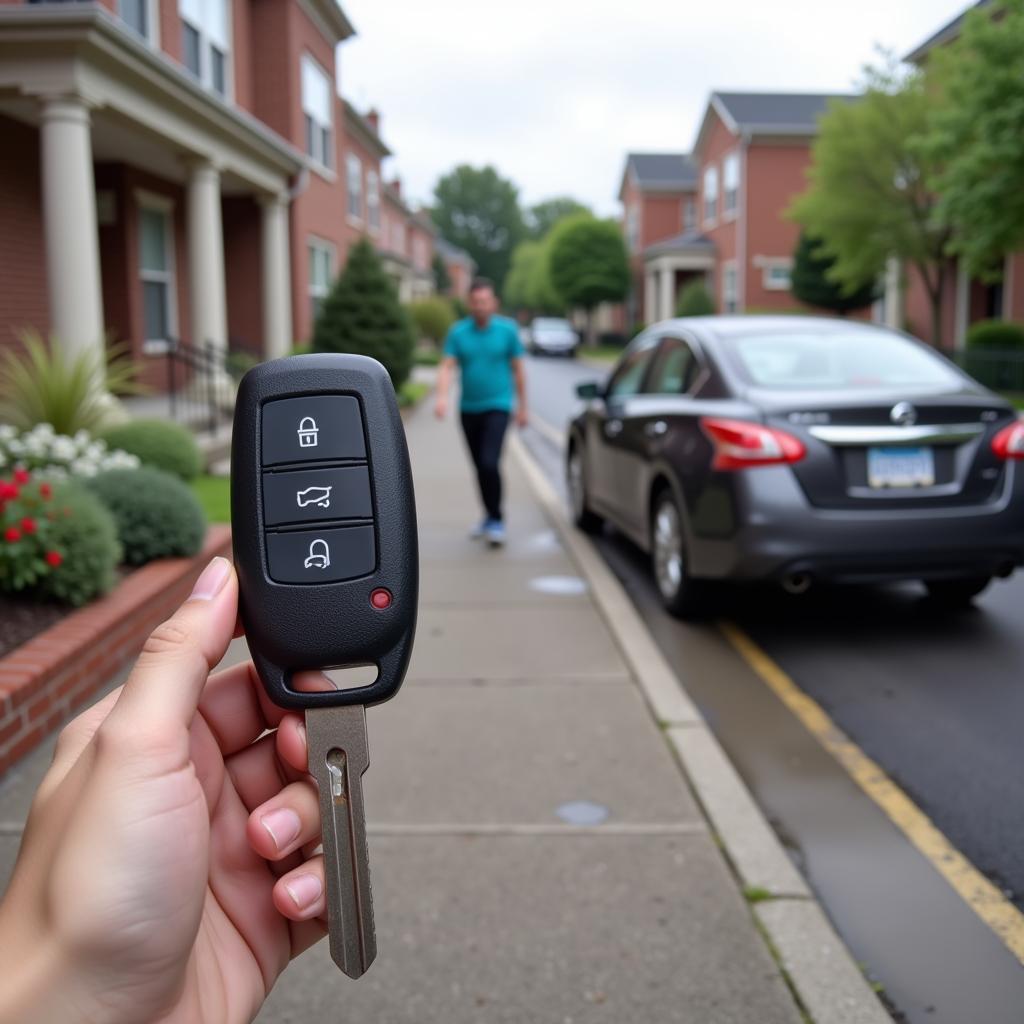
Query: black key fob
[[323, 523]]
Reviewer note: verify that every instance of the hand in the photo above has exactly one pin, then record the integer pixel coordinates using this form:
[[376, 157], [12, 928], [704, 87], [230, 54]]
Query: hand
[[522, 418], [441, 408], [165, 873]]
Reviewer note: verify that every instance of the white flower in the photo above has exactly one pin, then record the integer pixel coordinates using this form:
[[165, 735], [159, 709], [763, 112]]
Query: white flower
[[7, 432]]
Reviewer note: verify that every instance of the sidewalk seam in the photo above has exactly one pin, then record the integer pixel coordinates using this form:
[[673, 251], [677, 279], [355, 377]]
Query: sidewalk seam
[[826, 983]]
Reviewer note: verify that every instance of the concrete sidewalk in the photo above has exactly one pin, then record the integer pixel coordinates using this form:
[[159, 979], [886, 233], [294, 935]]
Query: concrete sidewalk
[[521, 722]]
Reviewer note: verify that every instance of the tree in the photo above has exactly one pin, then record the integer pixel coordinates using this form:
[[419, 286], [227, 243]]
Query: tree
[[589, 264], [442, 279], [869, 197], [528, 285], [543, 216], [362, 314], [975, 139], [810, 281], [478, 210], [695, 300], [432, 317]]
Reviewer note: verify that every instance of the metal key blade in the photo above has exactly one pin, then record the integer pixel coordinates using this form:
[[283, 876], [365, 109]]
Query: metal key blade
[[338, 756]]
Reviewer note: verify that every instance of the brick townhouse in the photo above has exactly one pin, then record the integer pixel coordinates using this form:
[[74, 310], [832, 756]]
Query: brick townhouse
[[723, 218], [965, 300], [179, 168], [407, 245], [460, 266]]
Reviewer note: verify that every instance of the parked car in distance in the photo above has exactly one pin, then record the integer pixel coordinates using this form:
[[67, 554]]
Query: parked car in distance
[[553, 336], [799, 449]]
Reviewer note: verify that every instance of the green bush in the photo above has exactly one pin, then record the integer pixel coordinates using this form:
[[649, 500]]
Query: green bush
[[432, 318], [157, 443], [695, 300], [362, 314], [157, 515], [239, 362], [83, 534], [1000, 335]]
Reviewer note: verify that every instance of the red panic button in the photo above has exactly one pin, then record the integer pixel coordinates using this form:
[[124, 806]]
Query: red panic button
[[381, 599]]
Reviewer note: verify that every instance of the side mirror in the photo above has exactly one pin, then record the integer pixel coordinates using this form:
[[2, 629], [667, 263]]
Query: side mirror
[[589, 391]]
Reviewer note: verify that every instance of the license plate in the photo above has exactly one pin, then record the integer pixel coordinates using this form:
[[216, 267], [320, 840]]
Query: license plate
[[901, 467]]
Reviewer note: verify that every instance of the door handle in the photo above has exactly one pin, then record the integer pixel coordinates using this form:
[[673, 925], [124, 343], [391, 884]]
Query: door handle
[[656, 429], [613, 428]]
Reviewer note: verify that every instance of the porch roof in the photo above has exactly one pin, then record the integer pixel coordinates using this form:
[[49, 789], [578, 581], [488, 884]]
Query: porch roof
[[687, 244]]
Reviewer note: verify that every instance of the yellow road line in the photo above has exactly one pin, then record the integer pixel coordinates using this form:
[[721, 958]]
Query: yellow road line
[[984, 898]]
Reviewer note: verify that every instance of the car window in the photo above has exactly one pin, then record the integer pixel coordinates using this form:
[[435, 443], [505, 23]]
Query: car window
[[630, 375], [673, 370]]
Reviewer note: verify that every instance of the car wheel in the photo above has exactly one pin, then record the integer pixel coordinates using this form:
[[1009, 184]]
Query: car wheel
[[582, 516], [957, 593], [681, 595]]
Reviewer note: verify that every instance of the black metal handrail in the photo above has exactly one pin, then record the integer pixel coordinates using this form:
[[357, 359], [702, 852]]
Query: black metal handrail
[[198, 386]]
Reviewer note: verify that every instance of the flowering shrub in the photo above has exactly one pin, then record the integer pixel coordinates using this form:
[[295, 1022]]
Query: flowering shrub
[[26, 519], [58, 456]]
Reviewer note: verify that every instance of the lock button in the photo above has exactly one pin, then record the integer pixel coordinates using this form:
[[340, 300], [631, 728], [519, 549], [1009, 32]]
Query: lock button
[[320, 427]]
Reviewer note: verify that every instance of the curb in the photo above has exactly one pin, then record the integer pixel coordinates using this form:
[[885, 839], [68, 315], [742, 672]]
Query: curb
[[827, 982], [44, 680]]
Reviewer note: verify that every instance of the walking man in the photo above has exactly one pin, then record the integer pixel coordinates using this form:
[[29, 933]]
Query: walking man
[[489, 354]]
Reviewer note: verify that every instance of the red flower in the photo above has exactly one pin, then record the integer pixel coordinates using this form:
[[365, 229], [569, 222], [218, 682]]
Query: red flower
[[21, 476], [45, 492], [7, 490], [12, 534], [28, 525], [54, 558]]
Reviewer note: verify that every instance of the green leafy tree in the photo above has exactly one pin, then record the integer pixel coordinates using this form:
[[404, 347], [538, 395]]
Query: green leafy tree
[[442, 279], [695, 300], [543, 216], [588, 264], [869, 196], [975, 136], [362, 314], [432, 318], [478, 210], [810, 281], [528, 285]]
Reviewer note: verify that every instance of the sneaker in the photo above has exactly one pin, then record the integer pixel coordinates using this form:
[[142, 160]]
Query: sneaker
[[480, 530], [494, 532]]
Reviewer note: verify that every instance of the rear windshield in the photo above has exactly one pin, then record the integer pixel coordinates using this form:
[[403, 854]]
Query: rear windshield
[[547, 324], [815, 361]]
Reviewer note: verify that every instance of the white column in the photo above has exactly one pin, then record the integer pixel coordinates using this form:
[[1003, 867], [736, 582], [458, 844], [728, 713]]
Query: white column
[[963, 302], [206, 257], [277, 287], [650, 311], [668, 292], [893, 296], [69, 225]]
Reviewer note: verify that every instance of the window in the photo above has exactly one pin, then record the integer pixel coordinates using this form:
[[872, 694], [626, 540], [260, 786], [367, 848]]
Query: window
[[354, 169], [136, 15], [321, 273], [689, 213], [674, 369], [205, 41], [630, 375], [398, 237], [710, 194], [373, 200], [316, 110], [156, 271], [730, 288], [730, 184], [776, 275]]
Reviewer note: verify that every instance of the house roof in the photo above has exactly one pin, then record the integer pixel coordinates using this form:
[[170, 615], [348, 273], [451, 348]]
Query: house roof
[[688, 241], [452, 253], [767, 113], [946, 34], [364, 130], [660, 172]]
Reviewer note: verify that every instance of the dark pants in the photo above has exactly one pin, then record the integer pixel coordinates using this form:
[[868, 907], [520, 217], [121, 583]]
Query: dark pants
[[485, 432]]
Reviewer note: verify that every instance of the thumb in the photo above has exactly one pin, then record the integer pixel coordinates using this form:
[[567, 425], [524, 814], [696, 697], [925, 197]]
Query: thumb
[[164, 687]]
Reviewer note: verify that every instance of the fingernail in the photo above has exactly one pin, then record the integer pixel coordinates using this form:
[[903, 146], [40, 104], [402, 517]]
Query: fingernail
[[304, 890], [211, 579], [283, 825]]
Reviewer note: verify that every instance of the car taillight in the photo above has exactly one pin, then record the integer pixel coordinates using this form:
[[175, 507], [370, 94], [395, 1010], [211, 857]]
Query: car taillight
[[739, 444], [1009, 442]]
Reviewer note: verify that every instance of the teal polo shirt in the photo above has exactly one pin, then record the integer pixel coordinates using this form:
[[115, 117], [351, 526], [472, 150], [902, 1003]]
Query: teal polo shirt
[[485, 358]]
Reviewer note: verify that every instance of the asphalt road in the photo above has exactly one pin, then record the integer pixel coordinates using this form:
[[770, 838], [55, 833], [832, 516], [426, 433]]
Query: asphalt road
[[933, 697]]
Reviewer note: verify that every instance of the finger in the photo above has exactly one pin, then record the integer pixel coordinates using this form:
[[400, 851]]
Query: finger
[[299, 895], [285, 822], [291, 743], [162, 693], [76, 736], [236, 707], [306, 934], [258, 774]]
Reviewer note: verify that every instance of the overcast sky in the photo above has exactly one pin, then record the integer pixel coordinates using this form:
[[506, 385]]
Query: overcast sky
[[555, 92]]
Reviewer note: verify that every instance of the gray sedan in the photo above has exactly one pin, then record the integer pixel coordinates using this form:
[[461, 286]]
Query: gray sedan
[[799, 449]]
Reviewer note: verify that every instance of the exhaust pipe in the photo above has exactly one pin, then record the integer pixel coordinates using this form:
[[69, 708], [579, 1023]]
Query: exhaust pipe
[[797, 582]]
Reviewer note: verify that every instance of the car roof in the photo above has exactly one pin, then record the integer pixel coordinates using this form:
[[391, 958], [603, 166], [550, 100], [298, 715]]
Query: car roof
[[713, 327]]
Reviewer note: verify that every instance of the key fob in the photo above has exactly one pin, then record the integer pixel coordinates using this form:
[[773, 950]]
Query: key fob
[[323, 523]]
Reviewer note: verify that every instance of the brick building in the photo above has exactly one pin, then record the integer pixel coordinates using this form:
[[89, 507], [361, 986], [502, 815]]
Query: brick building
[[178, 169], [460, 266]]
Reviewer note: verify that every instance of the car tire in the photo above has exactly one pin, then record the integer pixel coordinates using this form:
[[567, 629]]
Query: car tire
[[576, 483], [681, 595], [956, 593]]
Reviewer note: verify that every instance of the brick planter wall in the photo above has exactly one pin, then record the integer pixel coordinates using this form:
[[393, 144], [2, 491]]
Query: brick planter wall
[[45, 680]]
